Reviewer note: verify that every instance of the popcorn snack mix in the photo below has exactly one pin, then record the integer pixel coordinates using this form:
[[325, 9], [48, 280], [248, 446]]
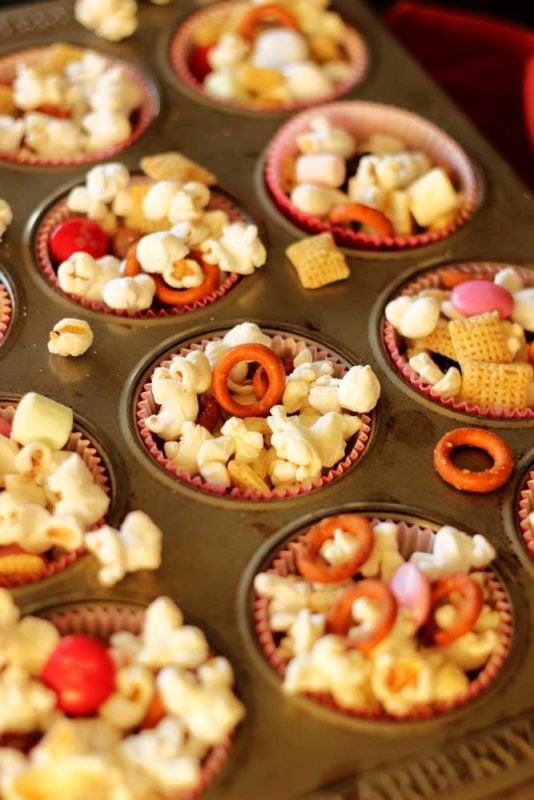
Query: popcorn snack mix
[[270, 55], [144, 714], [65, 104], [147, 246], [53, 496], [462, 335], [293, 422], [374, 176], [113, 20], [378, 618]]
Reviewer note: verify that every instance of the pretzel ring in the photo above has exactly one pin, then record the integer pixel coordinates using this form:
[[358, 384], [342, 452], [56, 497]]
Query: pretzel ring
[[266, 11], [312, 567], [176, 297], [357, 212], [464, 479], [339, 619], [274, 370], [467, 614]]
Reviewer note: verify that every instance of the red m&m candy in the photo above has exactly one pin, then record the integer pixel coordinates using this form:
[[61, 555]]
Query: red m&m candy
[[75, 235]]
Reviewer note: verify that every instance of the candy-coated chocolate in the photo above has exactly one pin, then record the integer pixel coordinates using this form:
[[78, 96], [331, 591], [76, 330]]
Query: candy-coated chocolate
[[81, 672], [478, 297], [411, 589], [5, 428], [123, 239], [76, 235]]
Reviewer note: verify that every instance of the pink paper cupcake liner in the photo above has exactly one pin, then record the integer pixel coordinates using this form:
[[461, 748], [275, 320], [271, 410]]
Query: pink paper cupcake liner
[[284, 346], [526, 506], [181, 47], [57, 561], [363, 119], [59, 213], [102, 621], [142, 116], [410, 538], [395, 347], [6, 310]]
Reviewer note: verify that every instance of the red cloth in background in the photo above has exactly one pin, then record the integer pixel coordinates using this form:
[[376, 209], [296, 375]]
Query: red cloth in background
[[487, 68]]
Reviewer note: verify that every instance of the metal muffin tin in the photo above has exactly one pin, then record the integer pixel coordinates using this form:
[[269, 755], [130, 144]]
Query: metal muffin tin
[[212, 546]]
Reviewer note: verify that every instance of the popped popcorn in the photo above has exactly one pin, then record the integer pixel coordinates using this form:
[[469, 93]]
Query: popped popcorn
[[70, 337], [238, 249]]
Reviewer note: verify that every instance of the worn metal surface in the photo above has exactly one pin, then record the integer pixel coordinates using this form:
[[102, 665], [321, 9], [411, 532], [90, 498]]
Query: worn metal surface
[[285, 748]]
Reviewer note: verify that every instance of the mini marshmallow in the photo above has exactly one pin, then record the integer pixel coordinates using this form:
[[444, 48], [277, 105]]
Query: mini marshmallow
[[523, 312], [426, 368], [51, 137], [136, 546], [326, 138], [238, 250], [40, 419], [229, 51], [432, 196], [316, 200], [413, 317], [130, 294], [359, 389], [510, 279], [70, 337], [157, 251], [114, 20], [277, 47], [454, 551], [11, 133], [323, 169], [306, 80]]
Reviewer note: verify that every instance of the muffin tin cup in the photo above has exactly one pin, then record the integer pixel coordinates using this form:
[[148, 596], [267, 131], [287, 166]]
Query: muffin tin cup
[[284, 346], [56, 562], [101, 621], [181, 47], [59, 213], [526, 506], [6, 310], [142, 116], [393, 340], [410, 538], [363, 119]]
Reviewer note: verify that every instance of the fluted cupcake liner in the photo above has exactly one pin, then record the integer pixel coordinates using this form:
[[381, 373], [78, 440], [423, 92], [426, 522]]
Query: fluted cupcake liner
[[526, 506], [142, 116], [59, 213], [410, 538], [6, 310], [362, 119], [55, 561], [393, 340], [182, 45], [284, 346], [101, 621]]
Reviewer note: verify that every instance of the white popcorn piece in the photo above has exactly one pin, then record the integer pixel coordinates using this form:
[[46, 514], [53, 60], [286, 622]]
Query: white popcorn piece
[[51, 137], [80, 200], [229, 51], [11, 133], [29, 643], [450, 683], [166, 640], [306, 80], [105, 128], [238, 250], [359, 389], [25, 489], [78, 494], [127, 706], [450, 385], [277, 47], [323, 394], [454, 551], [70, 337], [184, 274], [32, 88], [523, 311], [316, 200], [295, 395], [326, 138], [56, 531], [114, 20], [40, 419], [340, 548], [245, 333], [184, 454], [8, 453], [158, 251], [191, 371], [27, 705], [381, 144], [6, 215], [426, 368], [384, 558], [432, 196], [9, 613], [20, 519], [130, 294], [328, 435], [157, 200], [416, 689], [115, 91], [292, 443], [510, 279], [247, 444], [212, 458], [178, 405], [472, 650], [78, 275], [413, 317], [223, 84], [305, 630], [399, 170], [136, 546], [188, 203]]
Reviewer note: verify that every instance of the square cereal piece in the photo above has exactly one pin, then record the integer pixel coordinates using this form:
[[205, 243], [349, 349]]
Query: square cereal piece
[[246, 479], [481, 339], [174, 166], [439, 341], [502, 387], [318, 261], [59, 55], [136, 218]]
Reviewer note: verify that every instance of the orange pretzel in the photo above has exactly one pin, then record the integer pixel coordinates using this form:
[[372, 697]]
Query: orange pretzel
[[312, 567], [357, 212], [464, 479], [268, 11], [467, 614], [449, 278], [274, 370], [176, 297], [340, 619]]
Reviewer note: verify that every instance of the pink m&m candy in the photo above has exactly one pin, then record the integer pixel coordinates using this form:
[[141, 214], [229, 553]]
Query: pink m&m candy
[[478, 297], [75, 235], [411, 589], [5, 428]]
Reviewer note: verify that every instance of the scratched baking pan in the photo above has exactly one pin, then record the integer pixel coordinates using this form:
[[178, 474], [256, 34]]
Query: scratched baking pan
[[214, 545]]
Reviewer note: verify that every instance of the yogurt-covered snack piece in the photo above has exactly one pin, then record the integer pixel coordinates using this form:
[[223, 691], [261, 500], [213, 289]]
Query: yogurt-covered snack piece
[[463, 335], [341, 612], [256, 415], [269, 55], [54, 494], [147, 712], [66, 103], [153, 245]]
